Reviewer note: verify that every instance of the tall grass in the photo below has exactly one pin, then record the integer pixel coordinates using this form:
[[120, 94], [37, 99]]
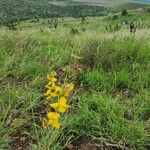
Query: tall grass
[[114, 106]]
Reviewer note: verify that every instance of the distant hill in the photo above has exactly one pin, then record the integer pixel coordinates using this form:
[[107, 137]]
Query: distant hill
[[133, 5], [100, 2], [12, 11], [17, 10], [143, 1]]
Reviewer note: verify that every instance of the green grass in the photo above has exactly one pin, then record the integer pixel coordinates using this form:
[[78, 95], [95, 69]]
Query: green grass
[[110, 103]]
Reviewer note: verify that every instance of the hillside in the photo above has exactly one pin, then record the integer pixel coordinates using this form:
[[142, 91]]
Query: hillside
[[12, 11], [109, 106], [17, 10]]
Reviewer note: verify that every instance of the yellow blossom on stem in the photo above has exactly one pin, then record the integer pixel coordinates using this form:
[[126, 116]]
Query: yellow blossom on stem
[[54, 123], [50, 85], [53, 115], [68, 89], [61, 105], [53, 92], [54, 119], [52, 77], [53, 73], [61, 92]]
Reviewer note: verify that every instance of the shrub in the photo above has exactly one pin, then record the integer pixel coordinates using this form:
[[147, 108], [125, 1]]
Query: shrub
[[74, 31], [114, 17], [124, 12]]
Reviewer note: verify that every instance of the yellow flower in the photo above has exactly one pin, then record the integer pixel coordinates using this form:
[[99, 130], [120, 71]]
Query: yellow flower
[[54, 119], [54, 123], [53, 73], [53, 92], [61, 105], [50, 85], [66, 94], [53, 115], [51, 77], [68, 89]]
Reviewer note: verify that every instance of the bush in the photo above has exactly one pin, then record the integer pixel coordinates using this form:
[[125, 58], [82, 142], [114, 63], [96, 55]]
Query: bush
[[114, 17], [148, 10], [74, 31], [124, 12]]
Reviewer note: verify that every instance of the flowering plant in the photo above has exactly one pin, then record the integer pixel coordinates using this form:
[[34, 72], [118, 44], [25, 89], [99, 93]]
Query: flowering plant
[[59, 95]]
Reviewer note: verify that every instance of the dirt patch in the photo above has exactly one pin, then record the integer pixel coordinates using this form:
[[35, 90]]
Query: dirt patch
[[85, 146], [11, 80], [129, 114], [124, 91], [128, 94], [75, 69], [82, 145], [20, 141], [146, 116]]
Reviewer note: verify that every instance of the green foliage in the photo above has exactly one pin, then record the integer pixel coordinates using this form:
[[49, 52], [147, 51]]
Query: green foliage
[[74, 31], [97, 80], [111, 99], [124, 12], [114, 17], [101, 116], [15, 11], [148, 10]]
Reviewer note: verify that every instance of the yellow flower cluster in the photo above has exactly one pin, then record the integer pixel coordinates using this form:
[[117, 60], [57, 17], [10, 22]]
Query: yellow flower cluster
[[56, 92]]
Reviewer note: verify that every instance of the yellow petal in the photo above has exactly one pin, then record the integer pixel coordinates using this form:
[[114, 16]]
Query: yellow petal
[[70, 87], [51, 84], [62, 106], [46, 94], [47, 87], [68, 106], [52, 79], [62, 109], [53, 73], [55, 123], [54, 105], [53, 95], [53, 115], [62, 100], [67, 90], [66, 94], [58, 90]]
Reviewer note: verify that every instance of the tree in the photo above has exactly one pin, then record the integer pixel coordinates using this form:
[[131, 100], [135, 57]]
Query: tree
[[83, 16], [124, 12], [55, 20]]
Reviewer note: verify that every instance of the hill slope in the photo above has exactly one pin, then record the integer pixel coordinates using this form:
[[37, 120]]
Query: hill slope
[[110, 71], [16, 10]]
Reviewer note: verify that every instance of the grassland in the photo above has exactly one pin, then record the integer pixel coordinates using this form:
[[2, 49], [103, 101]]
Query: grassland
[[110, 71]]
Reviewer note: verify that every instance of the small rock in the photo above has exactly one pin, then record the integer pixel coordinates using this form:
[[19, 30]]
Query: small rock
[[22, 139], [69, 146]]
